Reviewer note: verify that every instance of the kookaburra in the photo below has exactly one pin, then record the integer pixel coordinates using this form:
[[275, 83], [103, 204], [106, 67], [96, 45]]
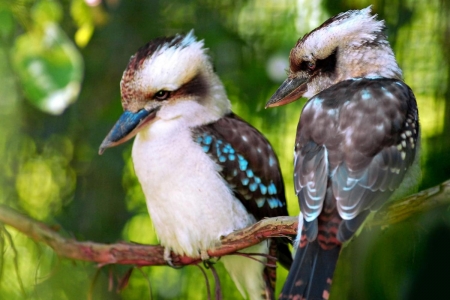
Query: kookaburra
[[204, 171], [357, 142]]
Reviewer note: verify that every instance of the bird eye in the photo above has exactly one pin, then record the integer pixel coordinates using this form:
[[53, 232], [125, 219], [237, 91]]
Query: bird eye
[[162, 95], [311, 65]]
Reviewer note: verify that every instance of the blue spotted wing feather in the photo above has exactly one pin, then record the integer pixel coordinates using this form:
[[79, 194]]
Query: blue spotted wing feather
[[248, 164], [250, 167]]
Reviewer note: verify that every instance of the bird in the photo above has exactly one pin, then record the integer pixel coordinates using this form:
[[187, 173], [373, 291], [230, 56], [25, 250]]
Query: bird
[[357, 143], [204, 171]]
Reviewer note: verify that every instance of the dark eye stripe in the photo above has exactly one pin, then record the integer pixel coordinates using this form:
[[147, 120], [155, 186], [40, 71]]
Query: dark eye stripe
[[196, 87], [327, 64]]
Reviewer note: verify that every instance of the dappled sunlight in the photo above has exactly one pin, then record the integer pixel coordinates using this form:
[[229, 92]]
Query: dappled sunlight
[[141, 283], [45, 181], [49, 66], [419, 52], [35, 264], [140, 230], [37, 191], [277, 67], [135, 199], [267, 25], [61, 65], [431, 114], [309, 15]]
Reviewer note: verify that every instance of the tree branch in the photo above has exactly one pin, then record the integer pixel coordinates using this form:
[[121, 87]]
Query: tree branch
[[146, 255], [425, 200]]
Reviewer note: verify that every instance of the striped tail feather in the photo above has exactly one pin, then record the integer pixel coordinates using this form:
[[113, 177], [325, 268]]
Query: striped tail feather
[[311, 272]]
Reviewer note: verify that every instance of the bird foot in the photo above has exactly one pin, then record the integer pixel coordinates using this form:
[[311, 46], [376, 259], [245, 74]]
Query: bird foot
[[167, 257], [204, 255]]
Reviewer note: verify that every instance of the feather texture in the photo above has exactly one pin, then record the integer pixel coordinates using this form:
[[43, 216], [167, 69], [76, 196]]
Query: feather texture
[[355, 142]]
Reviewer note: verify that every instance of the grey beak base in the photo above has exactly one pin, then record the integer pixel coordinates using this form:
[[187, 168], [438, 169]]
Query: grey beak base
[[125, 128]]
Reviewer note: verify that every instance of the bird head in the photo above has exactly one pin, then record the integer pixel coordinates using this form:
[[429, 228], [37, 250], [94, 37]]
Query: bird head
[[168, 79], [349, 45]]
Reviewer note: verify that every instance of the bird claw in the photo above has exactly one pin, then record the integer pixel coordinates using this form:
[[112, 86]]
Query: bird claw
[[168, 258], [208, 261]]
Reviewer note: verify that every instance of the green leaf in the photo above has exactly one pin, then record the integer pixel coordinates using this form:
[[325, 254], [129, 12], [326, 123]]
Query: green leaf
[[49, 66], [46, 11]]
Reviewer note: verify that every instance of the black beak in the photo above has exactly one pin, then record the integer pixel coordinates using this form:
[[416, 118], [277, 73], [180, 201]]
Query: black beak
[[290, 90]]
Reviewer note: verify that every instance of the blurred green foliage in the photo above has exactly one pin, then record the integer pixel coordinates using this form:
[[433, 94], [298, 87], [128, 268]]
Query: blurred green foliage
[[47, 63], [53, 52]]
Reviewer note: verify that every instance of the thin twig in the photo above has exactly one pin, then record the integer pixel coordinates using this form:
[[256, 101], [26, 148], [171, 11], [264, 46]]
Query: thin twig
[[208, 288], [218, 288], [16, 259], [149, 283]]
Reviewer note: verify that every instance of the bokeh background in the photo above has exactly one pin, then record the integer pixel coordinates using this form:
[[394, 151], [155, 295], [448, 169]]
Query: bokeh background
[[61, 62]]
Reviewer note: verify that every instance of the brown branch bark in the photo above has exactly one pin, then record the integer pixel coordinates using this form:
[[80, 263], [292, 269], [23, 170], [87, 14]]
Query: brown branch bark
[[146, 255], [423, 201]]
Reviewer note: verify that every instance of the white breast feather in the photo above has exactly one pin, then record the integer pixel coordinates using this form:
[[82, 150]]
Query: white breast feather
[[189, 203]]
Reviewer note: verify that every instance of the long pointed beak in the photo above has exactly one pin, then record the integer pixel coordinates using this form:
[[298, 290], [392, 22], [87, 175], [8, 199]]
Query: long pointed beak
[[289, 91], [127, 127]]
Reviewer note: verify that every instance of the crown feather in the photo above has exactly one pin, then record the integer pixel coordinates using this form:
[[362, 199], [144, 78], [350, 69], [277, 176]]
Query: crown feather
[[351, 29]]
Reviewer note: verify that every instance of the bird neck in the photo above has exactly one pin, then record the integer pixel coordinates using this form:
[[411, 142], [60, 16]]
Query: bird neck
[[369, 61], [216, 102]]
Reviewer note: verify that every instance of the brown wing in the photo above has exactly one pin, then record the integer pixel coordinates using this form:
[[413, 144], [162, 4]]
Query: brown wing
[[359, 137], [248, 164]]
